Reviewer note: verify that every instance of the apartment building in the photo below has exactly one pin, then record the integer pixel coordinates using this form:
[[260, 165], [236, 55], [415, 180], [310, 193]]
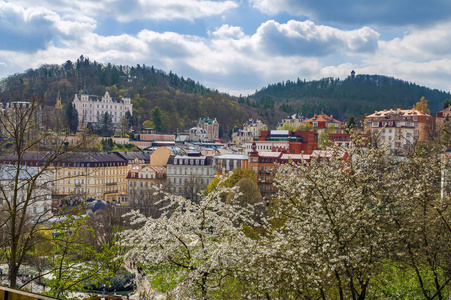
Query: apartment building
[[81, 175], [399, 128], [189, 173]]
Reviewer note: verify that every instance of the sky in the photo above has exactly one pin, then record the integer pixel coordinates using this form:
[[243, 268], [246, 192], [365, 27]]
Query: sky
[[235, 46]]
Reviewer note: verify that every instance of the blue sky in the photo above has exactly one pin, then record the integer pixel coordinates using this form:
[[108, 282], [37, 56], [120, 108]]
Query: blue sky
[[235, 46]]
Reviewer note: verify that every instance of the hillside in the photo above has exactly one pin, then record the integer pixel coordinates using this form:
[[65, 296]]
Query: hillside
[[182, 101], [342, 98]]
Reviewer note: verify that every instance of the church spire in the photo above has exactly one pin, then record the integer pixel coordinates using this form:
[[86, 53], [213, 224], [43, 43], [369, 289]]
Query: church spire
[[58, 104]]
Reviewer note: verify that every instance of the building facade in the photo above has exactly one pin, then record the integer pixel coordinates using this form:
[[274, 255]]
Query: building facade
[[285, 141], [229, 162], [211, 128], [399, 128], [294, 120], [39, 202], [91, 108], [251, 130], [80, 175], [324, 123], [189, 174]]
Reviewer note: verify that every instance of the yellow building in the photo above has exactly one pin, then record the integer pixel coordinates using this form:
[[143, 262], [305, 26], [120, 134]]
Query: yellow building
[[81, 175]]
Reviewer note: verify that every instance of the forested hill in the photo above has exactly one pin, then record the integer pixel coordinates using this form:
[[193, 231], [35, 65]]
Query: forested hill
[[182, 101], [352, 96]]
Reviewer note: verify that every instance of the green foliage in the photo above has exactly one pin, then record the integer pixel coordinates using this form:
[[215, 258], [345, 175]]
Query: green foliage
[[399, 281], [106, 127], [71, 118], [323, 140], [287, 126], [75, 260], [305, 127], [446, 103], [351, 123], [232, 180], [156, 115], [148, 124], [107, 144]]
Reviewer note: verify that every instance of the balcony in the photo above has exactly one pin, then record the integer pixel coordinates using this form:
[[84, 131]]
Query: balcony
[[111, 183]]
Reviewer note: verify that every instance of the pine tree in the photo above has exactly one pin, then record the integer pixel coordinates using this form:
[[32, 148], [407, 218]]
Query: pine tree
[[72, 118]]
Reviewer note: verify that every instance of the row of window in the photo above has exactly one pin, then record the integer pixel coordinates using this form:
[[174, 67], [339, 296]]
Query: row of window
[[189, 171], [185, 180], [85, 105], [142, 176], [186, 161], [96, 181], [98, 173], [398, 124]]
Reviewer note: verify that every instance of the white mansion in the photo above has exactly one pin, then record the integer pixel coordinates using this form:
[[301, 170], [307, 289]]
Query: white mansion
[[91, 108]]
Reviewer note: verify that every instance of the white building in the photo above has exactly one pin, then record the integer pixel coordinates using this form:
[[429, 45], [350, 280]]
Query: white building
[[190, 173], [251, 130], [197, 134], [91, 108], [294, 120], [39, 202]]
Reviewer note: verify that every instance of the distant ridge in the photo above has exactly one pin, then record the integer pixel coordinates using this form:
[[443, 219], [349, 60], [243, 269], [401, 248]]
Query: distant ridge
[[183, 101], [356, 96]]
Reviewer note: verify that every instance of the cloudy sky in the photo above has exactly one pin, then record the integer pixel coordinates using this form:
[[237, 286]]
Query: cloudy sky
[[235, 46]]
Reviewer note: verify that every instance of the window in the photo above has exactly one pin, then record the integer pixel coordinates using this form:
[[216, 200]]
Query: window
[[375, 124]]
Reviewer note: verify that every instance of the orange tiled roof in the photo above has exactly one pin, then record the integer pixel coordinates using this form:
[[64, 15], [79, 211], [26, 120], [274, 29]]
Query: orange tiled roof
[[322, 118]]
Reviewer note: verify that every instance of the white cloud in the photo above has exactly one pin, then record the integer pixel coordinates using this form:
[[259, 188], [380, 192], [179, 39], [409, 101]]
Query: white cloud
[[132, 10], [228, 32], [228, 59], [308, 39], [421, 44]]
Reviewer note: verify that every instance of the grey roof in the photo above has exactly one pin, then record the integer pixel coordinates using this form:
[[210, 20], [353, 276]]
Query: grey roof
[[132, 155], [9, 172], [41, 158]]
